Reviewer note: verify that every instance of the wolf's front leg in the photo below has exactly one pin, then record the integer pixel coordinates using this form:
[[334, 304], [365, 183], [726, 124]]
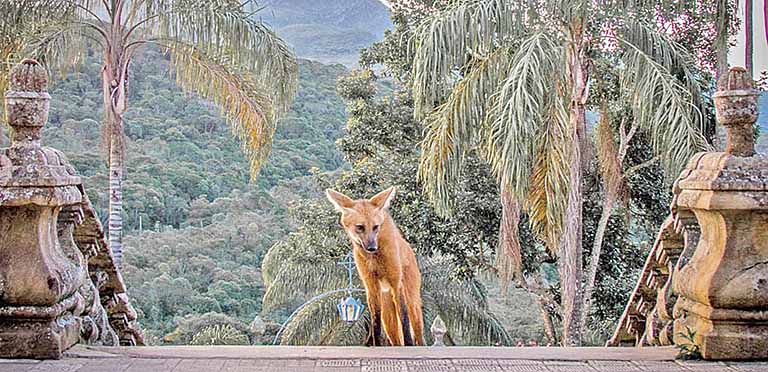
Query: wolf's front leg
[[374, 308]]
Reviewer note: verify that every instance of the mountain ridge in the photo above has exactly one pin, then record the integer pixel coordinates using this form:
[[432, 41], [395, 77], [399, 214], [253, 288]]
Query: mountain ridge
[[327, 31]]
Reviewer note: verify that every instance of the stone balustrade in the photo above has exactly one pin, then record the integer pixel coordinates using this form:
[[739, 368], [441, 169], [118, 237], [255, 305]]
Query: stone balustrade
[[712, 252], [58, 281]]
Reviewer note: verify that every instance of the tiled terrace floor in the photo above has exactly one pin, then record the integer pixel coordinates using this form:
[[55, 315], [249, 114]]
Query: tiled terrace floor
[[329, 359]]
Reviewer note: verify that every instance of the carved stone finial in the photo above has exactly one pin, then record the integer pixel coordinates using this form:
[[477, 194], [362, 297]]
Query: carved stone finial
[[29, 76], [439, 330], [28, 103], [736, 109]]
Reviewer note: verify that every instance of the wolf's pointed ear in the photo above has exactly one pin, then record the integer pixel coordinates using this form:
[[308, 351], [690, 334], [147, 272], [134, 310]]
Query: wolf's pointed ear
[[340, 201], [384, 198]]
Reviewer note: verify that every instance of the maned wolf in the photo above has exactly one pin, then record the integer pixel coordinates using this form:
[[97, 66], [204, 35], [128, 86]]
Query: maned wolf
[[387, 265]]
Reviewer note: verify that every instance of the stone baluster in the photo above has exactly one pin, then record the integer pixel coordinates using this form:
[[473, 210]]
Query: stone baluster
[[438, 330], [723, 288], [667, 255], [39, 277]]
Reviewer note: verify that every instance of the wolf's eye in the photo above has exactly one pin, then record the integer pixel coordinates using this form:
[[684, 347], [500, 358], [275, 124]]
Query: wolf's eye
[[376, 228], [360, 228]]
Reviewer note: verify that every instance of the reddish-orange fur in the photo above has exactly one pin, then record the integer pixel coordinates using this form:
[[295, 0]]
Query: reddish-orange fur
[[390, 273]]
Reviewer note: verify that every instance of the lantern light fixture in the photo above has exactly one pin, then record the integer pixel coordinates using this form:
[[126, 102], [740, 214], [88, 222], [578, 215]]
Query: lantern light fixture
[[350, 309]]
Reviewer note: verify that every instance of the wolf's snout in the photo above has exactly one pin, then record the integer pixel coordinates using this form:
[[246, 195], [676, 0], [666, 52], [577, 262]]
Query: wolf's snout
[[371, 247]]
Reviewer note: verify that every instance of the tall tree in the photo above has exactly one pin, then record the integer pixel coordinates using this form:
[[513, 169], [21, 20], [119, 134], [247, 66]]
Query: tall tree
[[512, 80], [217, 49]]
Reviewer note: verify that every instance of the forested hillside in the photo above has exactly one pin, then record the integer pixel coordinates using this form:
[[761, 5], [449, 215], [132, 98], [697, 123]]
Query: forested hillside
[[180, 148], [205, 225]]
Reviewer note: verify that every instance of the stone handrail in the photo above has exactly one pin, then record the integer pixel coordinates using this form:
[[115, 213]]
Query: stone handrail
[[705, 282], [59, 284], [647, 318]]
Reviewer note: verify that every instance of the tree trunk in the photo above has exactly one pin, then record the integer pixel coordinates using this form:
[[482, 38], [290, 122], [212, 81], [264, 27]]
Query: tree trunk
[[721, 54], [115, 95], [115, 222], [508, 255], [609, 201], [546, 317], [571, 265], [721, 40], [748, 32]]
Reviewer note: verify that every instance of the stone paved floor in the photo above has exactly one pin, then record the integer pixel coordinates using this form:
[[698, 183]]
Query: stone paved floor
[[282, 359]]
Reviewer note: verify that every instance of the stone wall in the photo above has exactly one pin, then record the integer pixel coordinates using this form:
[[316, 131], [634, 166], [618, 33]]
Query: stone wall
[[59, 284]]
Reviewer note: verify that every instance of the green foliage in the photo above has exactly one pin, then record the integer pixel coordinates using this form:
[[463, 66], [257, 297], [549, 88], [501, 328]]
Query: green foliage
[[688, 350], [179, 148], [499, 84], [306, 266], [204, 225], [219, 335], [193, 324]]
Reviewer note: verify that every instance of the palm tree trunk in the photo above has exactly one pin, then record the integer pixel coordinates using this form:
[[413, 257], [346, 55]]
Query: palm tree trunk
[[571, 261], [571, 265], [749, 49], [116, 200], [721, 54], [609, 201], [508, 255], [721, 40], [115, 95], [546, 317]]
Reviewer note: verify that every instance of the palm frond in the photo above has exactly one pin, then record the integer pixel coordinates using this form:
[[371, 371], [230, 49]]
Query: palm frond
[[520, 109], [450, 129], [270, 264], [62, 45], [219, 334], [549, 184], [462, 303], [447, 41], [224, 28], [662, 106], [249, 106], [26, 22], [607, 152], [300, 278], [318, 324], [671, 55]]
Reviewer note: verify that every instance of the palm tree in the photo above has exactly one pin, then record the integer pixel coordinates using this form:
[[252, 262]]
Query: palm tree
[[216, 48], [220, 334], [306, 265], [512, 79], [19, 20]]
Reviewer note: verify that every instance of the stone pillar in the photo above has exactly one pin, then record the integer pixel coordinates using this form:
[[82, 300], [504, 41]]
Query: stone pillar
[[723, 289], [39, 278]]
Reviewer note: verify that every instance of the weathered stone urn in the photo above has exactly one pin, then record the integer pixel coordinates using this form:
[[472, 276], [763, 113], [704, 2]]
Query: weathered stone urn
[[39, 281], [723, 290]]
